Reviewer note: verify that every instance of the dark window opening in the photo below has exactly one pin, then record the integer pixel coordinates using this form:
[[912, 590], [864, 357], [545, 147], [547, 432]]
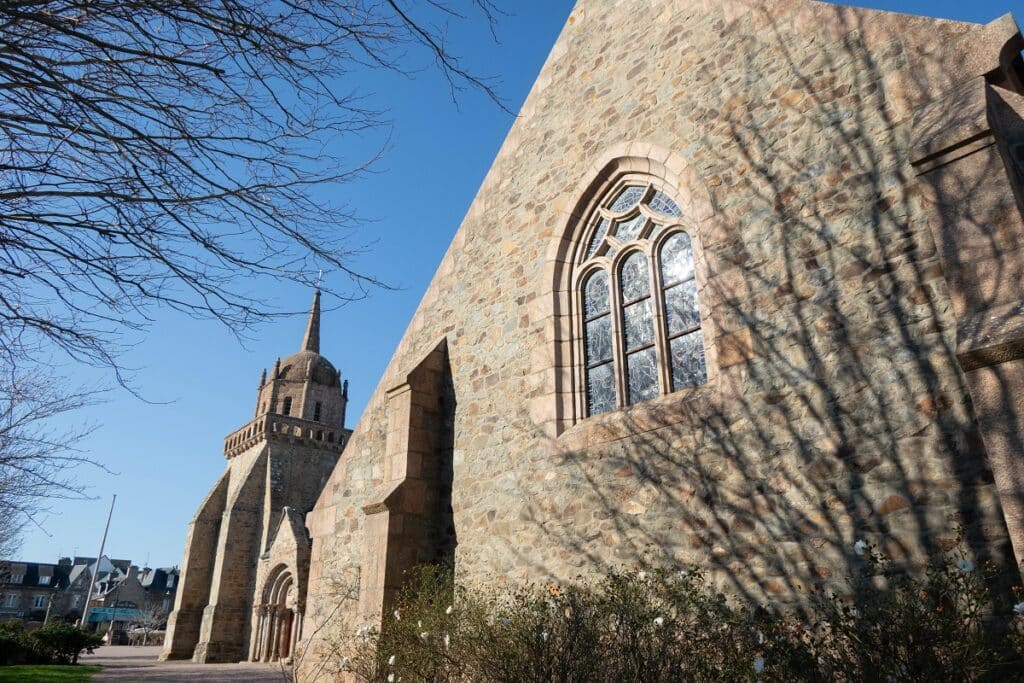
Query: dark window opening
[[316, 412], [287, 409]]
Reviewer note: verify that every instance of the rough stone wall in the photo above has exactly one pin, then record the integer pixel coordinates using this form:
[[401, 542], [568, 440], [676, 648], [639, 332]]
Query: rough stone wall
[[836, 409], [332, 408], [212, 619], [295, 477]]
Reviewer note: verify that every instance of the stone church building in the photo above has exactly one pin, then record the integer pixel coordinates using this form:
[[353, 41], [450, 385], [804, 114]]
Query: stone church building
[[247, 549], [744, 284]]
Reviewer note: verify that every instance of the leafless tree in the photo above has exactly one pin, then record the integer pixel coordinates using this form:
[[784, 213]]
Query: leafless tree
[[36, 458], [162, 152], [150, 619]]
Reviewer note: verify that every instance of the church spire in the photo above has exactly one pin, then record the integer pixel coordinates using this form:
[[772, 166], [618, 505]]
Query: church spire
[[311, 340]]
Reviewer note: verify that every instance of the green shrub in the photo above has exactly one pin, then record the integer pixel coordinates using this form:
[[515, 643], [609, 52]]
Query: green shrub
[[63, 643], [16, 646], [668, 624], [941, 626]]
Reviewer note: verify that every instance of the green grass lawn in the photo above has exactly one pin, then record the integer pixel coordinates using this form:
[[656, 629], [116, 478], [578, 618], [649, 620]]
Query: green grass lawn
[[47, 673]]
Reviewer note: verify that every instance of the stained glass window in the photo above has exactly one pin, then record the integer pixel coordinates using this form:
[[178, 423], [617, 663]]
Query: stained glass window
[[682, 313], [629, 198], [638, 325], [643, 375], [599, 348], [661, 203], [633, 278], [601, 389], [689, 368], [599, 232], [676, 259], [652, 325], [630, 230], [597, 296], [638, 328]]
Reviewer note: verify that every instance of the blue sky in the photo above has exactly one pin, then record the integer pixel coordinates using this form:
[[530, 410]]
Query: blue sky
[[166, 455]]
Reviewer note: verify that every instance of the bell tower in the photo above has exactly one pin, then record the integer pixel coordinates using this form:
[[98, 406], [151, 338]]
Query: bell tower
[[277, 465], [304, 388]]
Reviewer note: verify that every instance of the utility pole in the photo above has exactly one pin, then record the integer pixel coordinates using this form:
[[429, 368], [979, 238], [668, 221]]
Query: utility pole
[[96, 569]]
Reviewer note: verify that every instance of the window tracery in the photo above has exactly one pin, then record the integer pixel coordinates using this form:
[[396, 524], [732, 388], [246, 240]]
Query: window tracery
[[641, 334]]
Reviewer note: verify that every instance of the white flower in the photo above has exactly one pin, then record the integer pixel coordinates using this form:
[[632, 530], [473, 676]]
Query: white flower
[[642, 576], [965, 566], [544, 636], [682, 573], [760, 638], [398, 617], [419, 624], [759, 665], [447, 641], [859, 547], [391, 660], [659, 621], [449, 610], [391, 678], [344, 662], [1019, 608], [424, 634], [359, 631]]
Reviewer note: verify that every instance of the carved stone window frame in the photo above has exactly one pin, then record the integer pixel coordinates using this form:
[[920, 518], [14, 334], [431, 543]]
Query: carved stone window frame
[[610, 256], [625, 164]]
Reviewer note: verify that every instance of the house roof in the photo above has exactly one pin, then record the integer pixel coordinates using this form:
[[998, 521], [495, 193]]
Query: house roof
[[30, 573]]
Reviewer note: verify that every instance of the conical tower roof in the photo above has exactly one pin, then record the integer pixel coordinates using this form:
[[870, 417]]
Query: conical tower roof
[[311, 340], [308, 363]]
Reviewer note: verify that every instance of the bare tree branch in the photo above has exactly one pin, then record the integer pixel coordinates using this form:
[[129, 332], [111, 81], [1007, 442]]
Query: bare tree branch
[[37, 460], [160, 152]]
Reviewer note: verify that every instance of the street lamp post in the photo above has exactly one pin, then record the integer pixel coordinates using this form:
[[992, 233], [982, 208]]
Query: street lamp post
[[96, 570]]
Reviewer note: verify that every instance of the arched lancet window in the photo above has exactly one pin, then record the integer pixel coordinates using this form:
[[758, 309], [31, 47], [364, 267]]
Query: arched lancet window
[[641, 332], [682, 313], [597, 314]]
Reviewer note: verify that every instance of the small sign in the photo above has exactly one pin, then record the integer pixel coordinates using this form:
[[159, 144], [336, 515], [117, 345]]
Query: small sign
[[99, 614]]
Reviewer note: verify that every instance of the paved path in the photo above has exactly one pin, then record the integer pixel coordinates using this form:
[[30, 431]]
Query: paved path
[[126, 664]]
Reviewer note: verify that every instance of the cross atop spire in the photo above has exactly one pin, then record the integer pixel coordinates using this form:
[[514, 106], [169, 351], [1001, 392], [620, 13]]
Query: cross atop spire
[[311, 340]]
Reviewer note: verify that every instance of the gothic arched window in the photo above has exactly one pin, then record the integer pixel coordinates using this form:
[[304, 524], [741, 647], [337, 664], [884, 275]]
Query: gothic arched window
[[641, 332]]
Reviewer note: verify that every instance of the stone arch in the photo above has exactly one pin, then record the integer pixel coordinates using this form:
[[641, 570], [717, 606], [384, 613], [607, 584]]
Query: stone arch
[[662, 167], [278, 617]]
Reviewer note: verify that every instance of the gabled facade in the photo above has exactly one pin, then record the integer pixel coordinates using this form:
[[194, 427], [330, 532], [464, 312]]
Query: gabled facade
[[32, 591], [742, 287]]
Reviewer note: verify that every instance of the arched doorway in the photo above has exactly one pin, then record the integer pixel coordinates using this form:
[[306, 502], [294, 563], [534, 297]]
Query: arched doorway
[[278, 618]]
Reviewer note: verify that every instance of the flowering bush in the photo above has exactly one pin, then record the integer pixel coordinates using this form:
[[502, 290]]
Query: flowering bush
[[668, 624], [936, 627]]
